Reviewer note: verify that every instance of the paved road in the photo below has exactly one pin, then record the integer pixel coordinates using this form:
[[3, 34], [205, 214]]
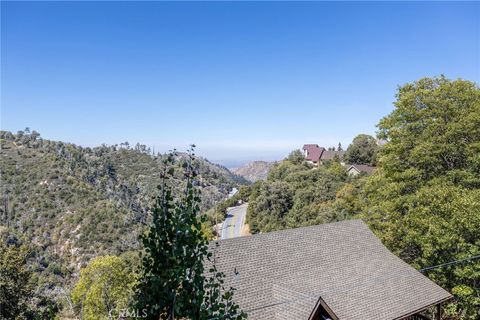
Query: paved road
[[234, 222]]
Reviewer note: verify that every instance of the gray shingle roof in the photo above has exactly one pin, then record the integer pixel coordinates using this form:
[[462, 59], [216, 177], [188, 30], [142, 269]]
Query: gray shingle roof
[[281, 275], [330, 155], [361, 168]]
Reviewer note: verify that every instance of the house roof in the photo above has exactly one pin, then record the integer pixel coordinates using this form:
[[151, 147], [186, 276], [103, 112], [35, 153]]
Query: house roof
[[330, 155], [313, 152], [283, 274], [316, 153], [361, 168]]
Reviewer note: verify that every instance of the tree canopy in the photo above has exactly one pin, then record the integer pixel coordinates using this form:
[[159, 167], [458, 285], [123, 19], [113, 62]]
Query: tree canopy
[[73, 203], [104, 289], [16, 287], [423, 201], [362, 150], [296, 194]]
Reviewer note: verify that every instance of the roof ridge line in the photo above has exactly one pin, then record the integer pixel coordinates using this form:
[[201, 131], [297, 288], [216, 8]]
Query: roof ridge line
[[294, 229]]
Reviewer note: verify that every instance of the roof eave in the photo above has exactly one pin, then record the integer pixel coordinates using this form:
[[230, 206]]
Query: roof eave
[[424, 308]]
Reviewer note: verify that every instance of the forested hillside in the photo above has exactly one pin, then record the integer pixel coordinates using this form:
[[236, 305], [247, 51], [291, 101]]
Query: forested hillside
[[254, 171], [73, 203], [297, 194]]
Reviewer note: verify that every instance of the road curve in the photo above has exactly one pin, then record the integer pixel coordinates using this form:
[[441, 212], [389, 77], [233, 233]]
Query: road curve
[[234, 222]]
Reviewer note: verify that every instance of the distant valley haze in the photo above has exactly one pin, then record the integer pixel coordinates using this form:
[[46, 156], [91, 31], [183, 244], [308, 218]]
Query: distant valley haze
[[243, 81], [229, 154]]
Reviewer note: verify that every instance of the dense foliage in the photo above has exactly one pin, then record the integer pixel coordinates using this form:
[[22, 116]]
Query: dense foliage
[[297, 194], [173, 282], [21, 294], [104, 289], [16, 288], [424, 200], [362, 150], [74, 203]]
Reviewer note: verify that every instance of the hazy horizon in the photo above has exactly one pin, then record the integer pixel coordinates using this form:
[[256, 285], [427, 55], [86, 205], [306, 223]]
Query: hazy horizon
[[203, 151], [243, 81]]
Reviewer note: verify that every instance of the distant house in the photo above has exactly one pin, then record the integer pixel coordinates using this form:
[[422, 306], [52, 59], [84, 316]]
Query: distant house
[[356, 169], [338, 271], [317, 155]]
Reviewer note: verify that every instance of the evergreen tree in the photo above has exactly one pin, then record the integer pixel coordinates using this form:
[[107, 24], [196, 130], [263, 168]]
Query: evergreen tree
[[296, 157], [362, 150], [423, 201], [174, 282], [16, 288]]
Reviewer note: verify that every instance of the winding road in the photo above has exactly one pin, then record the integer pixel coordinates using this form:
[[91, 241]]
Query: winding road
[[234, 222]]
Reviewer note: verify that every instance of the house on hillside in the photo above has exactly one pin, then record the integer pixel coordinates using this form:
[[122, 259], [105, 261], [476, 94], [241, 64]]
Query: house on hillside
[[356, 169], [338, 271], [317, 155]]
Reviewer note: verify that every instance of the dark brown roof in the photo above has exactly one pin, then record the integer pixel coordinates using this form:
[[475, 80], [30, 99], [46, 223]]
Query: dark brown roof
[[313, 152], [316, 153], [282, 275]]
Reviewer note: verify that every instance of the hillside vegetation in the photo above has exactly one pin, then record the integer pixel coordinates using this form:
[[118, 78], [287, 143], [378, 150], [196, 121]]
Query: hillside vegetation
[[68, 204], [73, 203], [254, 171], [296, 194]]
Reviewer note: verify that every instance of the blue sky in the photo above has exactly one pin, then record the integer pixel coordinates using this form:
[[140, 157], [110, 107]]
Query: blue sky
[[244, 81]]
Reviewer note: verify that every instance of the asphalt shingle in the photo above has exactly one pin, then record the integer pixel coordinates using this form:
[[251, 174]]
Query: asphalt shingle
[[281, 275]]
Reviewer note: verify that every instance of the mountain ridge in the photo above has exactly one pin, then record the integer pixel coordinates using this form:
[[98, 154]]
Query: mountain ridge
[[75, 203], [255, 170]]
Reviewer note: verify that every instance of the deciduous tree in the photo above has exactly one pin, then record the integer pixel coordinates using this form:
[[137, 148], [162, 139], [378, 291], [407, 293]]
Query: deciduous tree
[[362, 150], [424, 200], [105, 288]]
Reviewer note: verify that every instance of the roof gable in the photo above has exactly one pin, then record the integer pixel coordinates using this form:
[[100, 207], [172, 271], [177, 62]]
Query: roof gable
[[313, 152], [361, 168], [322, 311]]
